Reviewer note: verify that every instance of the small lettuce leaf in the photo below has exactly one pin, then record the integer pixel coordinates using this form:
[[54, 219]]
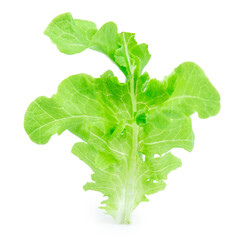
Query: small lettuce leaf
[[70, 35], [177, 134], [105, 40], [160, 167], [131, 57]]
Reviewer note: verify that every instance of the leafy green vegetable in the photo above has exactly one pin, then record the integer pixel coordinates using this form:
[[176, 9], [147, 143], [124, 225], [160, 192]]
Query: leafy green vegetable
[[123, 125]]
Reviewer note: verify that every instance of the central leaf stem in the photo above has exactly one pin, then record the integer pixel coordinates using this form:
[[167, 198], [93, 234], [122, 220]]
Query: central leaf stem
[[129, 194]]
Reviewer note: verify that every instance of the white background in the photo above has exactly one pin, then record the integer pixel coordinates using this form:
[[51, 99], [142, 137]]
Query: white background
[[41, 195]]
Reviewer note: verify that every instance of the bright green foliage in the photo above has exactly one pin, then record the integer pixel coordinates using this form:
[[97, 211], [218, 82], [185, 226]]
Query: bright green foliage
[[123, 125]]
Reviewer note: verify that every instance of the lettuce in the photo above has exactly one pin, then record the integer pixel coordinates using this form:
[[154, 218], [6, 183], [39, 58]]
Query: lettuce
[[124, 126]]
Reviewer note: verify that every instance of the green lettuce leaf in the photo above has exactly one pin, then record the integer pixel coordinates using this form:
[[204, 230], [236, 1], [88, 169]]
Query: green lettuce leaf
[[124, 126], [70, 35]]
